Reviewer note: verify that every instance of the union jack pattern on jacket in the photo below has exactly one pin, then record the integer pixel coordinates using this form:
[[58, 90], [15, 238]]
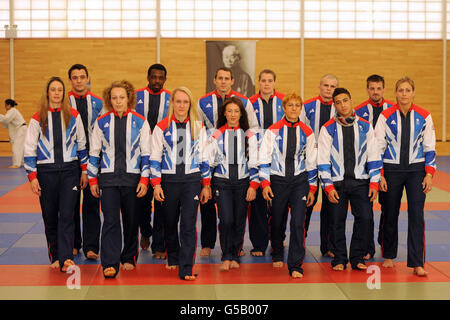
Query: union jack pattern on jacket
[[137, 145], [331, 154], [277, 107], [310, 114], [142, 98], [365, 109], [272, 153], [164, 150], [218, 153], [94, 107], [39, 147], [208, 109], [422, 146]]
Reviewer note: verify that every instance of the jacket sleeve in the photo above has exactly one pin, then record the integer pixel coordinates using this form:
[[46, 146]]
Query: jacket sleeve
[[82, 153], [303, 117], [204, 163], [252, 139], [30, 148], [94, 154], [145, 152], [373, 159], [265, 158], [156, 154], [429, 146], [380, 139], [323, 159], [252, 119], [311, 162]]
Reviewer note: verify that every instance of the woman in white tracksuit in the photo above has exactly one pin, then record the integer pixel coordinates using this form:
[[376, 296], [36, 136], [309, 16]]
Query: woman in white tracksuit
[[17, 128]]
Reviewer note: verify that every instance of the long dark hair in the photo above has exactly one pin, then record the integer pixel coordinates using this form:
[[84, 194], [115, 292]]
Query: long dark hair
[[243, 120], [44, 105]]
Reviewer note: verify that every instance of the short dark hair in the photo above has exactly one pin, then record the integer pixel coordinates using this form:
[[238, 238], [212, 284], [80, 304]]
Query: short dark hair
[[269, 72], [157, 66], [224, 69], [375, 78], [10, 102], [78, 66], [339, 91]]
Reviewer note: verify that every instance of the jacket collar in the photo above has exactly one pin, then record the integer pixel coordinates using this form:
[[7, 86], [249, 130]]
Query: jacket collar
[[72, 93], [124, 114]]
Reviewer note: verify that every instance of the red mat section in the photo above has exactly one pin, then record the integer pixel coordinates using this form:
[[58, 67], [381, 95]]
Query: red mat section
[[20, 200], [442, 180], [209, 275]]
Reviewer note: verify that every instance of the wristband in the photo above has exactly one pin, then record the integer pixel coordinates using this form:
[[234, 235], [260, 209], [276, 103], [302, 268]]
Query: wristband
[[429, 174]]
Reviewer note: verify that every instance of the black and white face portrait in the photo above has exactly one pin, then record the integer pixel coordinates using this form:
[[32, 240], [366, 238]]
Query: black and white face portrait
[[239, 56]]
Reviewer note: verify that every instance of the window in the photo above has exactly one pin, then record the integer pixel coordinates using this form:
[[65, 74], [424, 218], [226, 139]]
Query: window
[[353, 19], [85, 18], [407, 19]]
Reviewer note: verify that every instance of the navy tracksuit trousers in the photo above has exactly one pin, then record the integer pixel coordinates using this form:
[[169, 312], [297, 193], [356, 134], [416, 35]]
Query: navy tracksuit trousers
[[147, 230], [356, 193], [258, 225], [59, 192], [325, 222], [115, 200], [396, 182], [292, 194], [184, 195], [91, 222], [208, 234], [232, 209]]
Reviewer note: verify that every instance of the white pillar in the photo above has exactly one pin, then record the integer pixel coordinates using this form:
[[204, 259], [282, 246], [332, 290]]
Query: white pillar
[[444, 70], [158, 31], [302, 50], [11, 34]]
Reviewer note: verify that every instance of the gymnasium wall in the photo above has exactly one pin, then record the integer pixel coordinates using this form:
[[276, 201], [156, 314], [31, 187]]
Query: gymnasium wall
[[352, 61]]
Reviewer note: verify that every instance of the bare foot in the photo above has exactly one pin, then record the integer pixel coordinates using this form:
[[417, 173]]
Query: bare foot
[[55, 265], [109, 272], [277, 264], [205, 252], [225, 265], [241, 253], [75, 251], [91, 255], [296, 274], [256, 253], [128, 266], [159, 255], [329, 254], [388, 263], [190, 278], [234, 265], [361, 266], [67, 264], [174, 267], [145, 242], [338, 267], [367, 256], [420, 272]]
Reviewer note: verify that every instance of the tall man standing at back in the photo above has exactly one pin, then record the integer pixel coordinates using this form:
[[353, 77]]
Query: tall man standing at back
[[315, 113], [208, 106], [268, 107], [370, 110], [90, 107], [153, 103]]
